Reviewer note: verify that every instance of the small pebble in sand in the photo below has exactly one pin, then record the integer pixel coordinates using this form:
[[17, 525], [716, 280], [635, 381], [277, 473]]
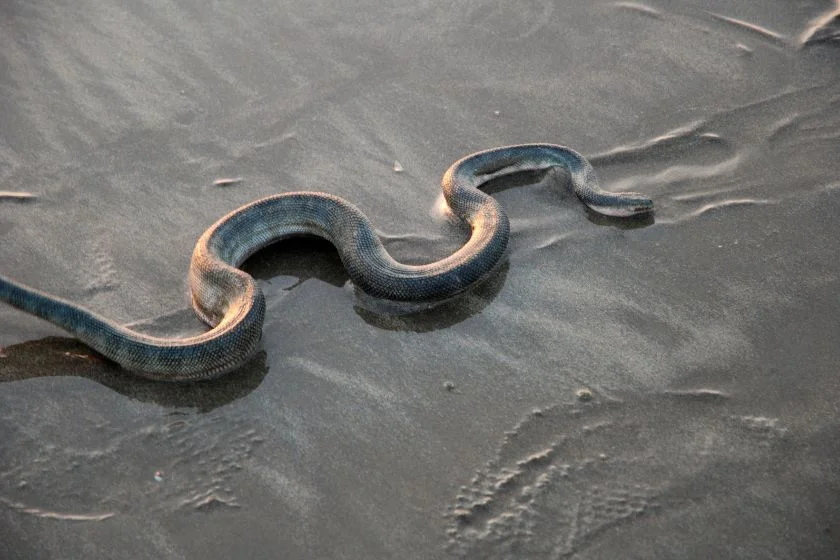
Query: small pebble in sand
[[449, 386], [158, 476], [227, 181], [584, 395], [497, 113], [398, 168]]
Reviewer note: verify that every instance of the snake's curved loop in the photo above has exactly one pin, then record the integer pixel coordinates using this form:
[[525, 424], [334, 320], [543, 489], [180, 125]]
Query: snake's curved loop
[[229, 300]]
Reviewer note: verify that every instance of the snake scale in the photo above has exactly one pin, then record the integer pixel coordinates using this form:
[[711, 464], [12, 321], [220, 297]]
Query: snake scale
[[232, 304]]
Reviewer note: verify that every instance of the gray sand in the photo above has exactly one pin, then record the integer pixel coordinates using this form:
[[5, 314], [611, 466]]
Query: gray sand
[[709, 339]]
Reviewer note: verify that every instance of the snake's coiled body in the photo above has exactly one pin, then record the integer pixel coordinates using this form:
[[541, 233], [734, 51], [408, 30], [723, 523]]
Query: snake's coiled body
[[230, 301]]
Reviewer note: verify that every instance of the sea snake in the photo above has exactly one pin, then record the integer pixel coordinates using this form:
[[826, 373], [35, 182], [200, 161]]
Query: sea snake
[[232, 304]]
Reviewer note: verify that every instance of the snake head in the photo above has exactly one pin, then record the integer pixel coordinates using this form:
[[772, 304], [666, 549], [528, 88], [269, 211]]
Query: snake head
[[624, 205], [638, 204]]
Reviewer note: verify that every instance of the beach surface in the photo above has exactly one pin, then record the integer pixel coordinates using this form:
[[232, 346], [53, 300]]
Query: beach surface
[[666, 388]]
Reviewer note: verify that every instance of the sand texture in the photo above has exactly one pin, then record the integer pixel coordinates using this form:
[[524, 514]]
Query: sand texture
[[665, 388]]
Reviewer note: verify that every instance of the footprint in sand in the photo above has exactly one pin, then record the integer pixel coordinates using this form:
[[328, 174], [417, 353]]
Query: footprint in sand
[[569, 475], [189, 463]]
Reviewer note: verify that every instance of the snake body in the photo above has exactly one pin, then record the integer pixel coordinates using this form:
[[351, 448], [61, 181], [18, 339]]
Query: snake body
[[232, 304]]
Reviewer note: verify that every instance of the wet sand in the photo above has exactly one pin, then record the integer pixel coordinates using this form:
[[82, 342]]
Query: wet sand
[[658, 389]]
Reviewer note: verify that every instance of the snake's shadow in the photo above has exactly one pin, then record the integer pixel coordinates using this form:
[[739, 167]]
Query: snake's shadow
[[434, 316], [304, 258], [60, 356]]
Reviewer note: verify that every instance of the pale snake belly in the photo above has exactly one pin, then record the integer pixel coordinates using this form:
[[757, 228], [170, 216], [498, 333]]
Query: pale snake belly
[[232, 304]]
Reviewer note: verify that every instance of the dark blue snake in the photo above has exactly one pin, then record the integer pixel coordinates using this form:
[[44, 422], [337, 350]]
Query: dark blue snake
[[232, 304]]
